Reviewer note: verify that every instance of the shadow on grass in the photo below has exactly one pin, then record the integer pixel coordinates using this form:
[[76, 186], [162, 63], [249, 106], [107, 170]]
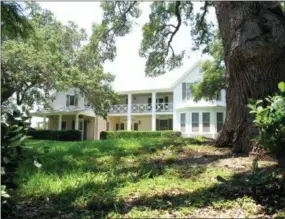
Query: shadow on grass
[[269, 192], [99, 199], [264, 189]]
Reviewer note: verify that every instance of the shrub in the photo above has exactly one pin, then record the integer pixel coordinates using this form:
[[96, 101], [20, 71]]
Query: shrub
[[270, 122], [138, 134], [64, 135]]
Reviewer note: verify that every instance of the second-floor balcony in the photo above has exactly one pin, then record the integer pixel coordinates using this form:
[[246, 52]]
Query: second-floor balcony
[[141, 108]]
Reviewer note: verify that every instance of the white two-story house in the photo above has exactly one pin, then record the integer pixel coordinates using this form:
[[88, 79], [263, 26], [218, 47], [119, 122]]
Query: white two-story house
[[153, 104]]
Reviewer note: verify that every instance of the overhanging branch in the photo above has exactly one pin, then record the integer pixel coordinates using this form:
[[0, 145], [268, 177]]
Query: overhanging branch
[[178, 16]]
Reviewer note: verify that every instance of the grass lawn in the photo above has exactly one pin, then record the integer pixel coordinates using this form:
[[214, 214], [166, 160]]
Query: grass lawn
[[136, 178]]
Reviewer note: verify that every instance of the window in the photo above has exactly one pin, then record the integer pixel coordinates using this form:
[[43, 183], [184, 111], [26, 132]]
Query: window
[[117, 127], [63, 125], [166, 99], [136, 126], [206, 122], [71, 100], [186, 92], [183, 122], [107, 126], [73, 125], [195, 122], [122, 127], [220, 121]]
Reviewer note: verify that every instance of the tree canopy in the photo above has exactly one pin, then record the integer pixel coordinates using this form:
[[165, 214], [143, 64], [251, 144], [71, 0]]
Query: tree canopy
[[165, 20], [54, 57], [214, 74]]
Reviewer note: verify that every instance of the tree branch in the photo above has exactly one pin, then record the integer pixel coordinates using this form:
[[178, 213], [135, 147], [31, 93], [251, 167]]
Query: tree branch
[[178, 16], [23, 92], [206, 4], [123, 15]]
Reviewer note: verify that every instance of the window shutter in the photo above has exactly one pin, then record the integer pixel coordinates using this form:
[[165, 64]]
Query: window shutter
[[183, 91], [76, 100], [67, 100], [188, 91]]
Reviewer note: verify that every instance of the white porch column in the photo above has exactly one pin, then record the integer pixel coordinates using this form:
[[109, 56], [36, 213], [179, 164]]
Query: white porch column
[[59, 121], [76, 122], [200, 122], [153, 111], [45, 123], [129, 123], [213, 123]]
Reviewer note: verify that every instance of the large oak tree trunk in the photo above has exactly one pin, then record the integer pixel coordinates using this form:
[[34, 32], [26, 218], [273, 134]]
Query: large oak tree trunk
[[253, 36]]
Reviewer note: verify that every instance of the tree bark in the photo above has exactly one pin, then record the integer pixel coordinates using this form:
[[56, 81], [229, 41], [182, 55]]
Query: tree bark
[[253, 35]]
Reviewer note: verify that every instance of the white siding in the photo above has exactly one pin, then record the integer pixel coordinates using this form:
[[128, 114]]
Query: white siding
[[192, 77], [60, 100], [213, 120]]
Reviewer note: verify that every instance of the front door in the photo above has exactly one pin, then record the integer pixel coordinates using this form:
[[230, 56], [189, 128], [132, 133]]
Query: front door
[[136, 126]]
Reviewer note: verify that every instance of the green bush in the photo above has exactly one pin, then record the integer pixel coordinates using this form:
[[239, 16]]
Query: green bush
[[138, 134], [270, 122], [64, 135]]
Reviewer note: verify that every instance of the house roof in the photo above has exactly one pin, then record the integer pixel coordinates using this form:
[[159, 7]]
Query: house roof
[[165, 82], [62, 110]]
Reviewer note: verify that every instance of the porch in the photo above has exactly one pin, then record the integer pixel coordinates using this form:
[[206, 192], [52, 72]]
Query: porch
[[79, 120], [144, 103], [140, 123]]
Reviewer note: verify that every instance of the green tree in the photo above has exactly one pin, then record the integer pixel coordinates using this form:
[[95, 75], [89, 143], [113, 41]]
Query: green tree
[[252, 35], [14, 24], [214, 74], [53, 58]]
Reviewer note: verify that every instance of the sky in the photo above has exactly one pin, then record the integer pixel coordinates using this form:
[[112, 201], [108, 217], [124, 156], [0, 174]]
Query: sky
[[128, 66]]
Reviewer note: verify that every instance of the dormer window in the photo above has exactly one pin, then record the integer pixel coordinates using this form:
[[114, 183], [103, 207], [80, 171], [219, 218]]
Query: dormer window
[[71, 100]]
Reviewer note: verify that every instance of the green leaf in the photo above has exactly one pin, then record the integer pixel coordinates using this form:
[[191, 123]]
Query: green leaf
[[281, 86]]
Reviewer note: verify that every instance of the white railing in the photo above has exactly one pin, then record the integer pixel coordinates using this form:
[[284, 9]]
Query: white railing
[[164, 107], [119, 108], [141, 108]]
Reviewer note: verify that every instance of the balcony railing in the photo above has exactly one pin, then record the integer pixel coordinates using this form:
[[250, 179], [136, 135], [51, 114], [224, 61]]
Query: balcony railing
[[119, 108], [141, 108]]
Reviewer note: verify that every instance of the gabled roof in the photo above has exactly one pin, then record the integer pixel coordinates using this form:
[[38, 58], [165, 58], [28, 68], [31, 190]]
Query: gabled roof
[[163, 83]]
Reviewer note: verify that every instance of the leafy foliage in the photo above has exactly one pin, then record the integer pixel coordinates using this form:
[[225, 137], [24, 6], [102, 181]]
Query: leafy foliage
[[13, 129], [53, 58], [138, 134], [165, 20], [13, 22], [214, 79], [158, 35], [270, 121]]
